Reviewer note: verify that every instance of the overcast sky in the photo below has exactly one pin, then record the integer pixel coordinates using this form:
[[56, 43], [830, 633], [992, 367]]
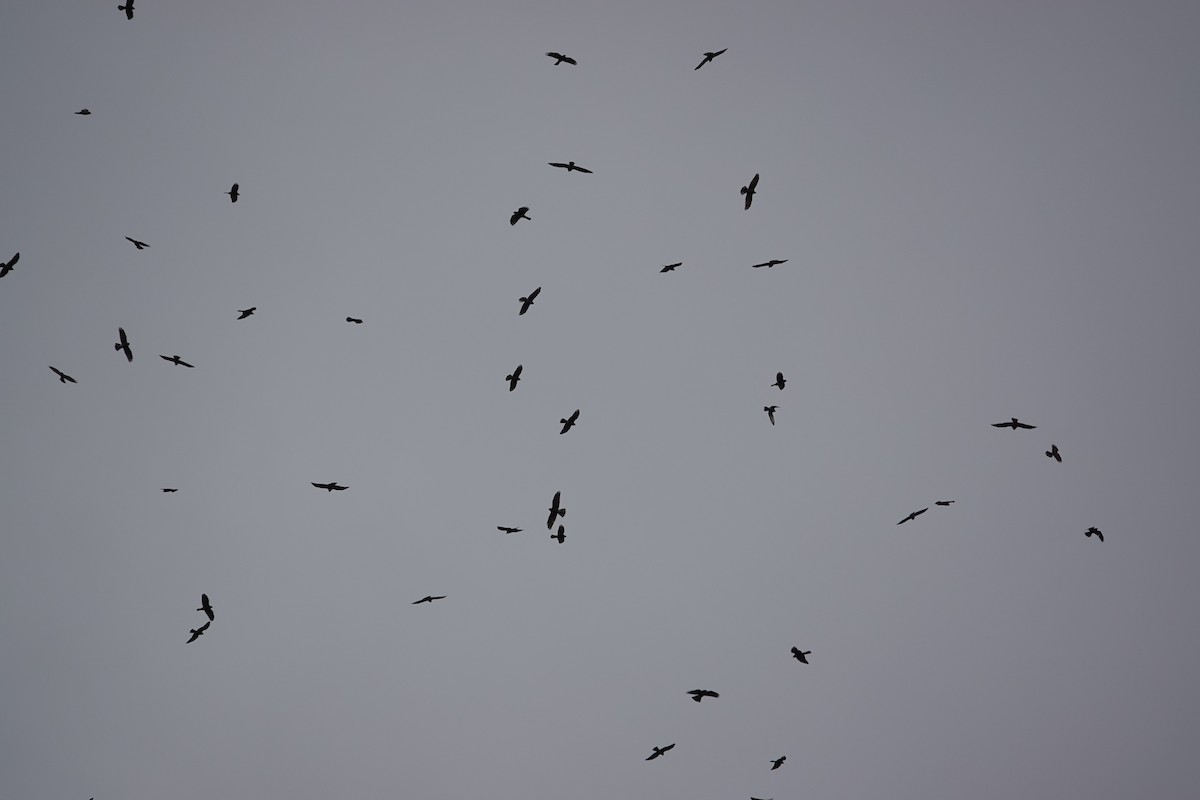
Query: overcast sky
[[989, 209]]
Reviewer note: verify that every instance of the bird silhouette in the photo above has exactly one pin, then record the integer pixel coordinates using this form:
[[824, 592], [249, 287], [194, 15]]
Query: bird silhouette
[[779, 381], [514, 377], [527, 301], [429, 598], [799, 654], [570, 166], [1090, 531], [123, 344], [943, 502], [771, 412], [330, 487], [137, 244], [913, 515], [671, 267], [83, 112], [1053, 453], [7, 266], [520, 213], [749, 190], [709, 57], [62, 376], [233, 194], [1014, 424], [569, 422], [658, 751], [169, 491], [556, 510], [127, 8], [774, 262], [700, 694], [777, 763], [560, 58], [354, 320], [247, 312], [561, 535], [177, 361], [206, 606], [508, 530], [198, 632]]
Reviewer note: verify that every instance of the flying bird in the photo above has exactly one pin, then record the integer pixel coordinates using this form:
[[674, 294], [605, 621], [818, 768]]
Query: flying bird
[[799, 654], [658, 751], [167, 491], [233, 194], [519, 214], [671, 267], [779, 381], [123, 344], [246, 312], [771, 412], [1053, 453], [777, 763], [429, 598], [774, 262], [569, 422], [560, 58], [1095, 531], [709, 57], [527, 301], [62, 376], [83, 112], [198, 632], [206, 606], [514, 377], [330, 487], [913, 515], [508, 530], [355, 320], [177, 361], [1014, 425], [7, 266], [127, 8], [556, 510], [700, 694], [569, 167], [137, 244], [561, 535], [943, 502], [749, 190]]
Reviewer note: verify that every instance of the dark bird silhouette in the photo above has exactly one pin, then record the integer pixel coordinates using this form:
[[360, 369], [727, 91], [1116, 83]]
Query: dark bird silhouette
[[569, 167], [246, 312], [943, 502], [561, 535], [749, 190], [520, 213], [7, 266], [774, 262], [771, 412], [556, 510], [233, 194], [913, 515], [758, 798], [177, 361], [429, 598], [355, 320], [83, 112], [527, 301], [137, 244], [569, 422], [799, 654], [560, 58], [62, 376], [777, 763], [1095, 531], [514, 377], [206, 606], [658, 751], [127, 8], [330, 487], [709, 57], [700, 694], [779, 381], [671, 267], [198, 632], [123, 344], [1014, 425], [508, 530], [168, 491], [1053, 453]]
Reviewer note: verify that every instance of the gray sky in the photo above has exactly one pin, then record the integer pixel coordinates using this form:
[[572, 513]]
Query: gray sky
[[989, 210]]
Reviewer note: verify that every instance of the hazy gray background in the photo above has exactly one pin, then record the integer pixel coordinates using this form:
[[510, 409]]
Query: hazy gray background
[[990, 209]]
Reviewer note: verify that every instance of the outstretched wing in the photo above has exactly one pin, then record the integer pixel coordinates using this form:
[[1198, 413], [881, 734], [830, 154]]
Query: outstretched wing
[[533, 295]]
